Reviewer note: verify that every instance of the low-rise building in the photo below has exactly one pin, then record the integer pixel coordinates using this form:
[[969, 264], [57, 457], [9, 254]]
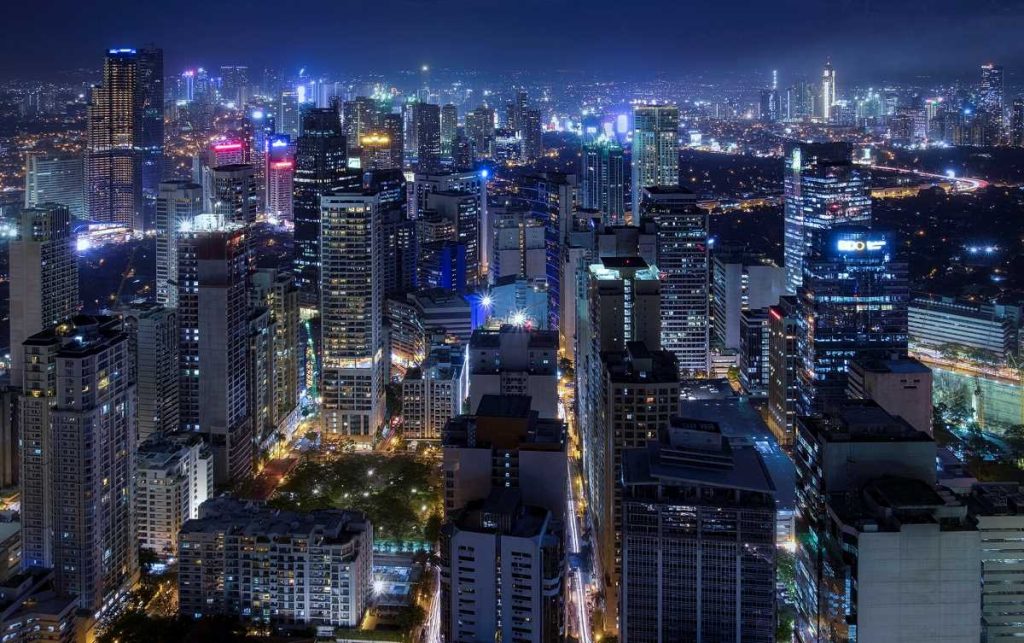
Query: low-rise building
[[32, 611]]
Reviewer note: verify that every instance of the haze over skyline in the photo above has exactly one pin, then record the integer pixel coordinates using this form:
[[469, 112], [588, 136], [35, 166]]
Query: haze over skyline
[[894, 39]]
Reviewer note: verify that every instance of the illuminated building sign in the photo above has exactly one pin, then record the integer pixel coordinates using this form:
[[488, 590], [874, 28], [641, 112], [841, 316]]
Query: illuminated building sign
[[860, 245]]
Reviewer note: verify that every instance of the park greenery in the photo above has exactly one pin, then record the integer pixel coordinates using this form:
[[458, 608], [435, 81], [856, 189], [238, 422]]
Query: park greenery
[[400, 494]]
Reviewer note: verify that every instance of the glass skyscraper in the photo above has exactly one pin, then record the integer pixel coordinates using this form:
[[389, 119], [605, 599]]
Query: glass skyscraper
[[603, 181], [655, 148]]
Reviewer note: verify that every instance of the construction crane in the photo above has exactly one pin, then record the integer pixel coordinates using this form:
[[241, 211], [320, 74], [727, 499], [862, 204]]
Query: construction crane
[[129, 272]]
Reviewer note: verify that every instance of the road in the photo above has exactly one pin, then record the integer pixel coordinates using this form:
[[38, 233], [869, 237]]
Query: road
[[964, 184], [579, 593], [432, 628]]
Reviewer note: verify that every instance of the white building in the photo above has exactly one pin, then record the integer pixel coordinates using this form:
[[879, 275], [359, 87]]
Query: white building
[[283, 568], [153, 334], [434, 392], [177, 203], [55, 179], [174, 476], [739, 284]]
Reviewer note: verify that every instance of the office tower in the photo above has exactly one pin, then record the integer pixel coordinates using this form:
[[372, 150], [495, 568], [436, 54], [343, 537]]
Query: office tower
[[464, 210], [351, 311], [991, 91], [113, 163], [235, 196], [770, 106], [507, 146], [153, 337], [259, 382], [531, 133], [655, 149], [235, 84], [443, 312], [698, 539], [80, 490], [213, 321], [178, 202], [880, 552], [504, 430], [637, 393], [682, 250], [449, 128], [783, 363], [433, 392], [552, 197], [276, 291], [320, 167], [828, 91], [360, 116], [823, 188], [1017, 123], [225, 554], [376, 153], [288, 118], [51, 178], [515, 361], [480, 124], [603, 181], [43, 276], [151, 127], [738, 283], [462, 153], [174, 475], [440, 261], [280, 173], [427, 122], [503, 569], [902, 387], [998, 508], [392, 125], [755, 351], [515, 111], [853, 303]]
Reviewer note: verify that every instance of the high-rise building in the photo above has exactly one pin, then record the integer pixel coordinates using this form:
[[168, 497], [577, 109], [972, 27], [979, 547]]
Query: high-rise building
[[655, 149], [828, 91], [351, 310], [434, 391], [151, 127], [531, 131], [234, 84], [178, 202], [755, 351], [853, 303], [682, 257], [480, 124], [113, 162], [503, 569], [449, 128], [280, 173], [276, 291], [783, 364], [289, 120], [78, 483], [1017, 123], [51, 178], [225, 555], [739, 283], [697, 538], [823, 188], [880, 552], [213, 318], [603, 181], [153, 338], [463, 210], [235, 196], [174, 476], [360, 116], [515, 361], [427, 123], [320, 167], [43, 276], [991, 91], [393, 127]]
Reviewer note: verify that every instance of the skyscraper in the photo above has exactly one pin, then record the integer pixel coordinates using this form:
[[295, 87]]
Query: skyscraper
[[43, 276], [361, 116], [113, 163], [828, 91], [1017, 123], [151, 127], [531, 132], [449, 128], [351, 311], [153, 339], [682, 257], [480, 130], [79, 479], [655, 149], [177, 202], [853, 303], [276, 292], [697, 538], [320, 166], [427, 123], [603, 181], [823, 188], [991, 94], [280, 175], [51, 178], [235, 196], [213, 321]]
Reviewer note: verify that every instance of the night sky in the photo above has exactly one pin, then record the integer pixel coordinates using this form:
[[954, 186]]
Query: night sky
[[868, 39]]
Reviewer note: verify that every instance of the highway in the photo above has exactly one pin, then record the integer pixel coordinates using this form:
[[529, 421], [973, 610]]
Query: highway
[[964, 184]]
